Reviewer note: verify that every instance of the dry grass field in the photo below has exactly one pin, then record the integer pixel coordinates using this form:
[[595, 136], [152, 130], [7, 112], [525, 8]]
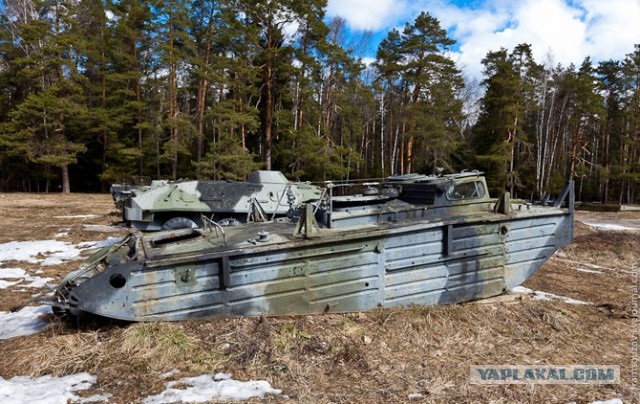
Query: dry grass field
[[383, 355]]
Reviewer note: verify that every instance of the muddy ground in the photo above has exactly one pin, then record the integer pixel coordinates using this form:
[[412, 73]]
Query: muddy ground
[[379, 356]]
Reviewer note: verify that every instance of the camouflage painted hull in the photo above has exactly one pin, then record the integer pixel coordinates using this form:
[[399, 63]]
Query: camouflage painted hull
[[266, 193], [423, 261]]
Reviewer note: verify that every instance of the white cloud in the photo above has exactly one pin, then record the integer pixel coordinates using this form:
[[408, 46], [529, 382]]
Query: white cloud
[[290, 30], [614, 27], [569, 30], [368, 61], [368, 14], [550, 26]]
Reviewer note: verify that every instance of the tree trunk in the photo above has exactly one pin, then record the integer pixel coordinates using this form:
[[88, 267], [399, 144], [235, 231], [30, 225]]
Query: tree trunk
[[173, 103], [268, 113], [66, 185], [404, 127], [512, 145], [268, 119], [381, 134], [203, 83], [138, 90], [327, 116], [105, 134], [412, 128]]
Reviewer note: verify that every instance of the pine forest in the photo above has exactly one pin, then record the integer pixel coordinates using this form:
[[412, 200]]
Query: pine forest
[[95, 90]]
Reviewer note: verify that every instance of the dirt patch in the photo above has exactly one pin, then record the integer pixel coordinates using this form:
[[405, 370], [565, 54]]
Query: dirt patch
[[378, 356]]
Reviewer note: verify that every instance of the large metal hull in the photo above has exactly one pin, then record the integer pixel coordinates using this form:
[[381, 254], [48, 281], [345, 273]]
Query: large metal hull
[[425, 262]]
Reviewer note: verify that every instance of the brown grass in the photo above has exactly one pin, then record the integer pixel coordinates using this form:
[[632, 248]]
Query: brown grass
[[378, 356]]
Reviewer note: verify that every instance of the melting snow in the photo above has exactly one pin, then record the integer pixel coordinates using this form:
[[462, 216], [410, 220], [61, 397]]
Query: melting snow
[[18, 275], [47, 389], [539, 295], [6, 284], [594, 266], [169, 373], [610, 227], [589, 271], [586, 264], [23, 322], [78, 217], [99, 244], [212, 387], [54, 251], [611, 401]]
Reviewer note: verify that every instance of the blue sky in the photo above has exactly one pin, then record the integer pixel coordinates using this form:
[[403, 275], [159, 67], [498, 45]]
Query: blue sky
[[560, 31]]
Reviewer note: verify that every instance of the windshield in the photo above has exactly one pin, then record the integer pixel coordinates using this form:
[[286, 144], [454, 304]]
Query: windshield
[[466, 190]]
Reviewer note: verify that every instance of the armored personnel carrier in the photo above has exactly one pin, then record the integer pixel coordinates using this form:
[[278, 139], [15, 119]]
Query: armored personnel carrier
[[181, 204], [410, 240]]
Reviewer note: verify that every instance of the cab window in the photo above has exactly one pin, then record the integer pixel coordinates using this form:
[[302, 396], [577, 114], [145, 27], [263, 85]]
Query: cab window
[[466, 190]]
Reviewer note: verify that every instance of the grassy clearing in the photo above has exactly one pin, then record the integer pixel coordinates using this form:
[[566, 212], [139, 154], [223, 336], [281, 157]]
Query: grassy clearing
[[384, 355], [378, 356]]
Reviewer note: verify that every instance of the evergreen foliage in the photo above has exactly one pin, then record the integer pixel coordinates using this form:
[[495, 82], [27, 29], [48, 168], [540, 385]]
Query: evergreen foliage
[[93, 90]]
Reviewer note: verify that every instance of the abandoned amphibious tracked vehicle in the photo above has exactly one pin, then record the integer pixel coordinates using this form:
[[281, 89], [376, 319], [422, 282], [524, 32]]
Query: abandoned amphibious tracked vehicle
[[413, 239], [171, 205]]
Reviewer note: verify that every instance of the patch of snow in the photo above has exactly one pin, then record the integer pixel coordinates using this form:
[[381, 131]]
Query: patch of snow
[[99, 244], [19, 276], [414, 396], [222, 376], [61, 234], [7, 284], [611, 401], [589, 271], [212, 387], [21, 323], [78, 217], [539, 295], [54, 251], [47, 389], [594, 266], [169, 373], [99, 398], [610, 227], [586, 264], [12, 273], [37, 282]]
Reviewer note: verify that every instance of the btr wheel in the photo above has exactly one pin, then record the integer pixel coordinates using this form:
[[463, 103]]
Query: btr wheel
[[179, 222]]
